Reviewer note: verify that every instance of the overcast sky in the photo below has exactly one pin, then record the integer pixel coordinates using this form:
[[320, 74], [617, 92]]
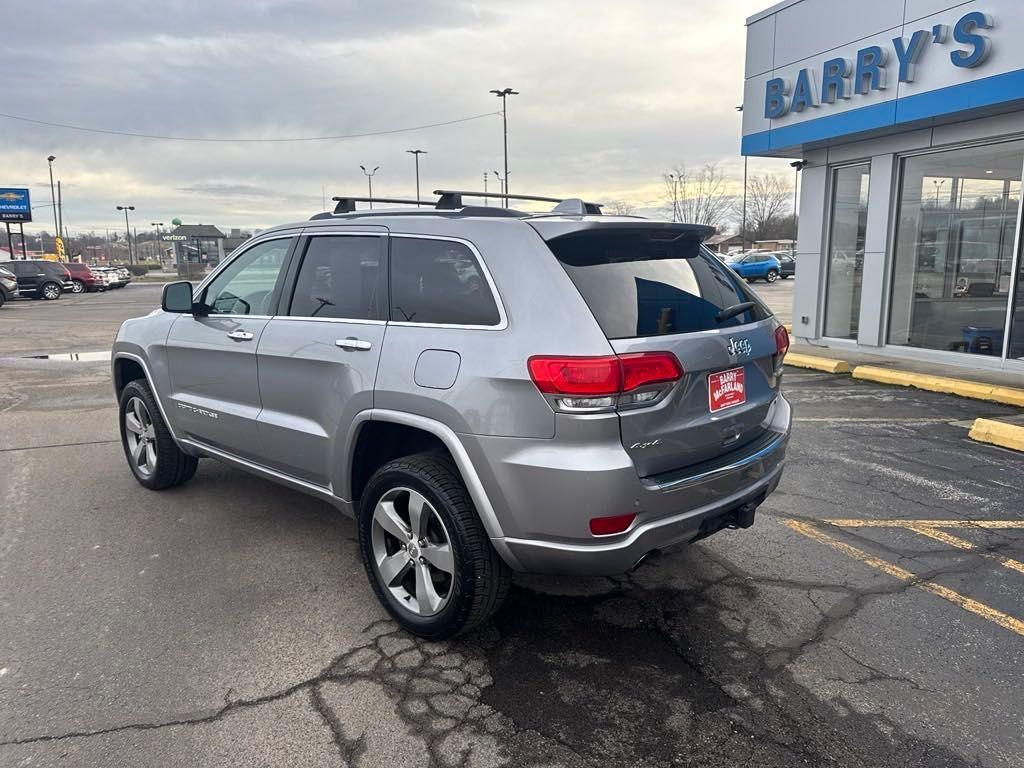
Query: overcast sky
[[612, 95]]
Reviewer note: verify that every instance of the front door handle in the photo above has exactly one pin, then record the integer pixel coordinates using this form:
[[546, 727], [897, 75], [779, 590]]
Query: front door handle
[[240, 336], [358, 344]]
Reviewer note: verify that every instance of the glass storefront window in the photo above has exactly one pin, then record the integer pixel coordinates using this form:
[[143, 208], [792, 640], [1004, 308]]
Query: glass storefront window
[[952, 274], [846, 250]]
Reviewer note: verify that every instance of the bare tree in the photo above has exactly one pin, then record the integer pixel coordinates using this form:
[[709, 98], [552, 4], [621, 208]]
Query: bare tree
[[620, 208], [697, 197], [768, 206]]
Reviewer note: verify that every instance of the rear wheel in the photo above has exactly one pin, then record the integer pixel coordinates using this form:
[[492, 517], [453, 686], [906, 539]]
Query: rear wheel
[[772, 276], [50, 291], [77, 286], [2, 299], [153, 456], [426, 553]]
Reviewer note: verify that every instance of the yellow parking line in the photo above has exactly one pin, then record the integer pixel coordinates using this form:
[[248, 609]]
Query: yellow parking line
[[973, 606], [989, 524], [953, 541]]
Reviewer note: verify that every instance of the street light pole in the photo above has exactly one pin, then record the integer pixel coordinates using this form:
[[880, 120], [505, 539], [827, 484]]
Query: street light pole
[[502, 185], [486, 202], [369, 181], [127, 229], [416, 153], [159, 241], [503, 94], [53, 196]]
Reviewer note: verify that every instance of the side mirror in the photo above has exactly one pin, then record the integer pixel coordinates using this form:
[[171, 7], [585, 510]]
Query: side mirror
[[177, 297]]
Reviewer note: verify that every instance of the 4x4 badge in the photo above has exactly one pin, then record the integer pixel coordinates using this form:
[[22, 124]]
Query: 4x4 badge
[[738, 347]]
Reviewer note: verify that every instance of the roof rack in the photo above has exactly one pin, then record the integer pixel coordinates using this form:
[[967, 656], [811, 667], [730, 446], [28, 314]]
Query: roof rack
[[451, 199]]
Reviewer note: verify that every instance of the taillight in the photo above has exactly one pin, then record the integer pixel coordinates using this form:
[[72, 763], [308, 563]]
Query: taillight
[[781, 341], [578, 383]]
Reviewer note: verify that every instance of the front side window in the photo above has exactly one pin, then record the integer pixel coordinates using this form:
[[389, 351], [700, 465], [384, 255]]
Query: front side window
[[439, 282], [246, 285], [846, 251], [953, 269], [340, 278]]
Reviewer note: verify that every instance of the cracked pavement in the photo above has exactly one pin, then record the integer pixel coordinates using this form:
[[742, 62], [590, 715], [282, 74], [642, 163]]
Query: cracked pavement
[[228, 622]]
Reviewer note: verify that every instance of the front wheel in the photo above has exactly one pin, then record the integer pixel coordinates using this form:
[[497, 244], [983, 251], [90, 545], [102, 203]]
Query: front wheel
[[426, 553], [153, 456], [772, 276], [50, 291]]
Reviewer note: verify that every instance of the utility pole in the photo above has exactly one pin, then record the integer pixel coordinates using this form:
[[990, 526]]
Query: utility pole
[[60, 211], [674, 181], [416, 153], [127, 229], [503, 94], [369, 181], [159, 241], [485, 189]]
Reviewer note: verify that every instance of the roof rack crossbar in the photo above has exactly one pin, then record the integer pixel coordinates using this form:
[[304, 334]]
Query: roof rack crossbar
[[452, 198], [348, 204]]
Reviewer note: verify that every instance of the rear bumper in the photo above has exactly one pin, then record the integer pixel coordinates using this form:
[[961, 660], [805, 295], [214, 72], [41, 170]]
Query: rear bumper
[[544, 494]]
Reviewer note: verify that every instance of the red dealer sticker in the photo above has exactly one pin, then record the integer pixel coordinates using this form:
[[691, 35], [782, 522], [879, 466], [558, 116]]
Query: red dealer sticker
[[726, 389]]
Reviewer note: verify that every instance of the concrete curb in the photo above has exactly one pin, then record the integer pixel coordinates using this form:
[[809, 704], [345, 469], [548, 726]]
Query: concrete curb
[[826, 364], [998, 433], [961, 387]]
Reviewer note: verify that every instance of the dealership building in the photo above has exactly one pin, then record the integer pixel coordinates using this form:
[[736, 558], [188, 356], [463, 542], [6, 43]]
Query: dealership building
[[908, 117]]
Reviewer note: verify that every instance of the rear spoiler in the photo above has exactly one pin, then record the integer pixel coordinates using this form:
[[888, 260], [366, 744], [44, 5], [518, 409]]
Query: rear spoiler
[[663, 231]]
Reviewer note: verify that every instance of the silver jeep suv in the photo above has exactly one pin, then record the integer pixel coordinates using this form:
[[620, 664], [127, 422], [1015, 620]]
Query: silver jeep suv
[[483, 390]]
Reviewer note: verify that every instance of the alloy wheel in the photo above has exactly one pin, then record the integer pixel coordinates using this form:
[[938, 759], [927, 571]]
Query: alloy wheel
[[51, 291], [141, 436], [77, 286], [412, 552]]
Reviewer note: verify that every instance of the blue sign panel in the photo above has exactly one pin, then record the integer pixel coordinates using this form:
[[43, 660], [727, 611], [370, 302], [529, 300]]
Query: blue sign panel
[[15, 205]]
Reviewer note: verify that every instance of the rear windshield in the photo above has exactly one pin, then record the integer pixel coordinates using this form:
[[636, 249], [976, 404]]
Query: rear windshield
[[638, 286]]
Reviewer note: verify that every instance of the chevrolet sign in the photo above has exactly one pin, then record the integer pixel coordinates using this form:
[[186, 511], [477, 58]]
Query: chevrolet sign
[[15, 205]]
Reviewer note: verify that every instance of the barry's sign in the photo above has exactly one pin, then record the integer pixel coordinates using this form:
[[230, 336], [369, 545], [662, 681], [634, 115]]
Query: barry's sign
[[843, 78]]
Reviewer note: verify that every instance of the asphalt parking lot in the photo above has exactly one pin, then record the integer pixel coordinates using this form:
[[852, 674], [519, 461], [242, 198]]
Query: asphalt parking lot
[[872, 617]]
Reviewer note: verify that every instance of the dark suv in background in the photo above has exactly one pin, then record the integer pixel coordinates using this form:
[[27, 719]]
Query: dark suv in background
[[41, 279]]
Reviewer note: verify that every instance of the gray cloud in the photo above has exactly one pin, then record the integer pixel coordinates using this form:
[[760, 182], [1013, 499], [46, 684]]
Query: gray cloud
[[610, 98]]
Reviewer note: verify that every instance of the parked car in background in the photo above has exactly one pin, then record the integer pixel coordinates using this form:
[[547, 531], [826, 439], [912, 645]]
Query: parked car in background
[[787, 261], [84, 280], [41, 279], [756, 266], [117, 277], [8, 285]]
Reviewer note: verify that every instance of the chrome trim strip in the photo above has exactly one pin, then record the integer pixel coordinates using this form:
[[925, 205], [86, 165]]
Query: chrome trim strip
[[299, 318], [735, 466], [502, 316]]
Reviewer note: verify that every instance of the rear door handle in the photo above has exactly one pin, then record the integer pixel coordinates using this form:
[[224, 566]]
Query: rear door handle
[[241, 336], [358, 344]]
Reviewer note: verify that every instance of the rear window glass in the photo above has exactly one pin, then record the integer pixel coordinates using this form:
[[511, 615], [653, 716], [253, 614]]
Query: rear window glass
[[638, 286]]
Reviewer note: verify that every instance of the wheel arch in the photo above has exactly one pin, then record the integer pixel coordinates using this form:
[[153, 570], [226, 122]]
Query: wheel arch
[[125, 367], [368, 447]]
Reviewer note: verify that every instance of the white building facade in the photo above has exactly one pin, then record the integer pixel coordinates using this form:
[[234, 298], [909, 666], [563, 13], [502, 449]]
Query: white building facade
[[909, 117]]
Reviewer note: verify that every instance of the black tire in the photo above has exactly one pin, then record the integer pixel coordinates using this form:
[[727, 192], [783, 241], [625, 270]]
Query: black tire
[[482, 579], [50, 291], [79, 286], [173, 466], [772, 276], [2, 298], [784, 277]]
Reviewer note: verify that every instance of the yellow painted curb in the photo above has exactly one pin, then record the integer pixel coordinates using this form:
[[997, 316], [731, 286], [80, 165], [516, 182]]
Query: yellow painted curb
[[972, 389], [826, 364], [998, 433]]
